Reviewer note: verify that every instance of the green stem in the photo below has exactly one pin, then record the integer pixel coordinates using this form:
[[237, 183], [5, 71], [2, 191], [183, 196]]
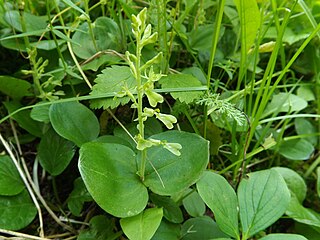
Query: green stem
[[312, 167], [140, 106], [214, 44]]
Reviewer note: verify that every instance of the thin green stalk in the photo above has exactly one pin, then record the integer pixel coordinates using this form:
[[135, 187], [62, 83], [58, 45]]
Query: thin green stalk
[[162, 30], [86, 8], [312, 167], [214, 44], [54, 36]]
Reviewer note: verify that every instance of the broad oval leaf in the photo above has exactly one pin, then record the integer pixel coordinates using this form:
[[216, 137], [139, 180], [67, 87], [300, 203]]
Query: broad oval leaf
[[294, 181], [14, 87], [142, 226], [194, 205], [263, 199], [55, 152], [107, 35], [167, 173], [16, 212], [167, 231], [304, 126], [74, 121], [78, 197], [296, 149], [171, 210], [101, 228], [285, 102], [302, 214], [32, 22], [220, 197], [109, 173], [278, 236], [10, 181], [201, 228]]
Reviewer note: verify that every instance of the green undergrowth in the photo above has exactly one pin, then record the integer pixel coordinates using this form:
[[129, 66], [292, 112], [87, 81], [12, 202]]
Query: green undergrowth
[[175, 120]]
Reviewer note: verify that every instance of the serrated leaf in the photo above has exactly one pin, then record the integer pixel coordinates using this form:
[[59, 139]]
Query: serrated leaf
[[16, 212], [109, 173], [74, 121], [263, 199], [10, 181], [142, 226], [181, 81], [112, 80], [78, 197], [55, 152], [220, 197]]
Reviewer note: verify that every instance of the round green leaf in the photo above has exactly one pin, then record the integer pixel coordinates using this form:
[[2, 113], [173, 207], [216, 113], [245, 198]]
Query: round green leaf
[[171, 210], [294, 182], [14, 87], [142, 226], [167, 231], [296, 149], [16, 212], [194, 205], [263, 199], [55, 152], [106, 33], [201, 228], [168, 173], [78, 197], [74, 121], [220, 197], [304, 126], [10, 181], [109, 173]]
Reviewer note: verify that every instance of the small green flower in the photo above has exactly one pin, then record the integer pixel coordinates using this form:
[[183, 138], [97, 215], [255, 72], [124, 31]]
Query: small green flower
[[166, 119], [154, 98], [173, 148]]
